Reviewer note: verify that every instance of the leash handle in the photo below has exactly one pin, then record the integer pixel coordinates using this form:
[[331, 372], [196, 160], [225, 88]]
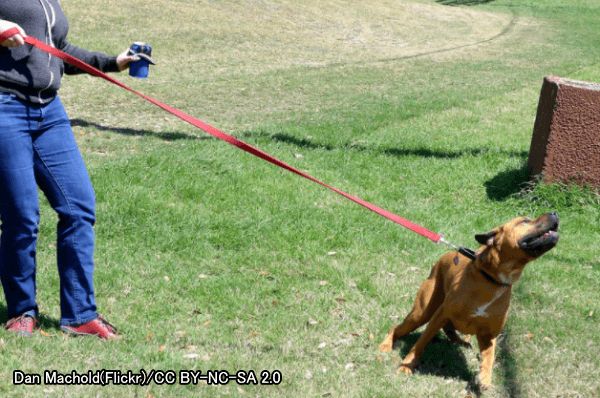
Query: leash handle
[[433, 236], [8, 33]]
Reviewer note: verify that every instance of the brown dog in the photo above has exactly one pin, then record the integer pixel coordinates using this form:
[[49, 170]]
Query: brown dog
[[472, 296]]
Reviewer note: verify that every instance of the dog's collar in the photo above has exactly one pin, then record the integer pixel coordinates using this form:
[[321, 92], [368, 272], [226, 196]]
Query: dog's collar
[[492, 279], [473, 256], [467, 252]]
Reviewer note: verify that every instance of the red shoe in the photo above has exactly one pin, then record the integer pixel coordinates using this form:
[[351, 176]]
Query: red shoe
[[22, 325], [97, 327]]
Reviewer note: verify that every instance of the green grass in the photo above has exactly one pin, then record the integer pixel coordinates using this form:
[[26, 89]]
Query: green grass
[[424, 109]]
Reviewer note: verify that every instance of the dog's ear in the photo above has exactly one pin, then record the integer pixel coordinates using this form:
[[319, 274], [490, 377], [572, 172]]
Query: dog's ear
[[487, 238]]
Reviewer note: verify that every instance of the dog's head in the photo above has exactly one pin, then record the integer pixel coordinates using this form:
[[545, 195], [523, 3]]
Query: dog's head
[[509, 247]]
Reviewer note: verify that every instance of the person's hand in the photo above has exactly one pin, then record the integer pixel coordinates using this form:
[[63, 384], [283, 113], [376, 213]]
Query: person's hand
[[15, 40], [124, 59]]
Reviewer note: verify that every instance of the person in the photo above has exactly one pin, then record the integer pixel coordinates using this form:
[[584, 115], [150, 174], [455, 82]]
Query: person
[[38, 149]]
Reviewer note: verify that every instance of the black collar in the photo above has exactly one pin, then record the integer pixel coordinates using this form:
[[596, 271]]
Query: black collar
[[473, 256], [492, 279]]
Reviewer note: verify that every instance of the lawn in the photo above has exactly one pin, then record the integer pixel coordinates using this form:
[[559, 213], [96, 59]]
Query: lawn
[[209, 258]]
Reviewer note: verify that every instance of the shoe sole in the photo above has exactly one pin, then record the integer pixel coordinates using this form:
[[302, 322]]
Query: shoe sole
[[73, 333]]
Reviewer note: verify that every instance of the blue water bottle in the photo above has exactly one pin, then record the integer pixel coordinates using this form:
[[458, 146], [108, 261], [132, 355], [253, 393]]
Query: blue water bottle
[[140, 68]]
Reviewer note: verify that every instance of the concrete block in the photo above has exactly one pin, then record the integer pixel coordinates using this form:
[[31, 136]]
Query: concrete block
[[565, 146]]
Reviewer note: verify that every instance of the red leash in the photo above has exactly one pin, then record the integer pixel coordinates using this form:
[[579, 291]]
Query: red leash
[[435, 237]]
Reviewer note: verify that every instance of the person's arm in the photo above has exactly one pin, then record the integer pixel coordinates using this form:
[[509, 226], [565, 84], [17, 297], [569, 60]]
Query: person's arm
[[98, 60]]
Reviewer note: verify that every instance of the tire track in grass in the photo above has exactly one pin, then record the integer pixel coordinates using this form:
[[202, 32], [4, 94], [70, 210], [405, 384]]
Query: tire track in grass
[[506, 30]]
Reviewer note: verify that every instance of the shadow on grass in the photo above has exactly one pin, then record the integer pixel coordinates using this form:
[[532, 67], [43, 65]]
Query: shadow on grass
[[507, 183], [167, 136], [505, 357], [398, 152], [508, 365], [463, 2], [441, 358], [445, 359]]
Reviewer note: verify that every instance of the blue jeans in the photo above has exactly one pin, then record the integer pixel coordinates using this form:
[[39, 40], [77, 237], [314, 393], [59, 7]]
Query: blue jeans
[[38, 149]]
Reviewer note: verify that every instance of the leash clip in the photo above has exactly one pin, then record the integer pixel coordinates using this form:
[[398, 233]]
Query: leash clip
[[461, 249], [447, 243]]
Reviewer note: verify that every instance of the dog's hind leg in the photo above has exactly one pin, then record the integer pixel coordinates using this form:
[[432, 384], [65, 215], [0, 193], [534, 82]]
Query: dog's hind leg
[[410, 361], [429, 298]]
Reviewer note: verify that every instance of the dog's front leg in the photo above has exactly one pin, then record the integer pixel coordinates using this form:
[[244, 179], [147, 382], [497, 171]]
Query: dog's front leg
[[487, 348], [437, 321]]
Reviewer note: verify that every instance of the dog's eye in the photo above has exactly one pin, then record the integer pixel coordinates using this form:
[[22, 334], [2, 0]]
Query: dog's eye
[[525, 221]]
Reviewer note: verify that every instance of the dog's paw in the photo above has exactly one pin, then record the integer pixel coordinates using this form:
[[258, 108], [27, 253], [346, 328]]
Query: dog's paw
[[464, 343], [466, 338], [386, 346], [485, 383], [485, 386], [407, 370]]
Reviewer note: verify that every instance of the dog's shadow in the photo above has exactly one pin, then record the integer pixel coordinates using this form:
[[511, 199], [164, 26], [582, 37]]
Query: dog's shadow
[[441, 358]]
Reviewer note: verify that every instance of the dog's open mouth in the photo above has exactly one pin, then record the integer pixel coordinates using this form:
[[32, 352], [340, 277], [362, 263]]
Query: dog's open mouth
[[540, 242]]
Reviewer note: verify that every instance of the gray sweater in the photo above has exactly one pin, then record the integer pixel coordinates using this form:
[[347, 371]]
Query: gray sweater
[[30, 73]]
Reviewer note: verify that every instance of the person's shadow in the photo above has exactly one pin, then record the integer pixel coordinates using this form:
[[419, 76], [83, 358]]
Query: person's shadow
[[441, 358], [167, 136]]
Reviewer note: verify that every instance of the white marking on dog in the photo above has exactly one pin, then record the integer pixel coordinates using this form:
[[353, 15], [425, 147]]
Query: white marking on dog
[[481, 310], [505, 279]]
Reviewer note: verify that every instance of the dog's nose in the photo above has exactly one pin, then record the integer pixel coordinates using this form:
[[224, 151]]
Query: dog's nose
[[554, 220]]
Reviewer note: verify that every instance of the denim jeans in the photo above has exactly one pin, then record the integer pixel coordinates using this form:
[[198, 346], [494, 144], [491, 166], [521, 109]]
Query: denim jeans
[[38, 149]]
